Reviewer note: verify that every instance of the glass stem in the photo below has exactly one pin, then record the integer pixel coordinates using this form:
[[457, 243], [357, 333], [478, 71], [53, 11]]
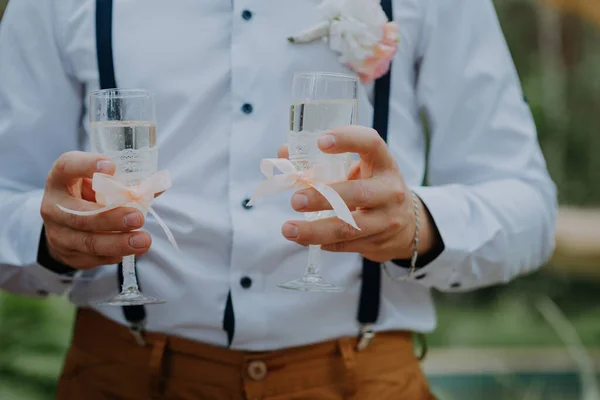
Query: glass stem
[[314, 261], [129, 278]]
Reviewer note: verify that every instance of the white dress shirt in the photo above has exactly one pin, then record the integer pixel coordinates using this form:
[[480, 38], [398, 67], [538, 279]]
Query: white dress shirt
[[489, 191]]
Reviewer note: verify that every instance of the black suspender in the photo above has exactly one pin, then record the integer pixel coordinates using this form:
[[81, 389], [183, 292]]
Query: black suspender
[[135, 315], [368, 308], [104, 50], [370, 291]]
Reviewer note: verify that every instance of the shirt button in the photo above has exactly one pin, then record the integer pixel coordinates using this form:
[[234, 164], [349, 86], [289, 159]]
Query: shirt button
[[245, 204], [257, 370], [247, 15], [246, 282], [247, 108]]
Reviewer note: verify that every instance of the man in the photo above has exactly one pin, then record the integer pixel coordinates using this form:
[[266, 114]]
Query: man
[[221, 72]]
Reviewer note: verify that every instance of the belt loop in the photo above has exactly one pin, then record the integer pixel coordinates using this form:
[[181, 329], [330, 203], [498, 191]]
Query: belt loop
[[366, 336], [349, 358], [156, 363]]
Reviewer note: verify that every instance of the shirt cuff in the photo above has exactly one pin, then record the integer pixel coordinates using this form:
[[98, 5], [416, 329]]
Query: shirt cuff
[[45, 280], [47, 261], [439, 267]]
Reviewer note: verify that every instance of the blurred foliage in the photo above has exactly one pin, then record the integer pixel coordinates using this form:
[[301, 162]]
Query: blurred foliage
[[34, 337], [507, 316], [557, 58], [563, 89]]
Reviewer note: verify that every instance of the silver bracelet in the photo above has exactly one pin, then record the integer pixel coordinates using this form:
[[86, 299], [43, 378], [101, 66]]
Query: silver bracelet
[[415, 253]]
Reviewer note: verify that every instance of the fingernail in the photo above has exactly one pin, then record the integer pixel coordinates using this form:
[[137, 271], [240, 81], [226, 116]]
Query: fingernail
[[299, 201], [138, 241], [133, 220], [104, 166], [289, 231], [326, 141]]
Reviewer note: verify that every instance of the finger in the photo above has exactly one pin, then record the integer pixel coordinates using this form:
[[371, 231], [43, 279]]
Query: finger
[[358, 139], [363, 193], [374, 248], [333, 230], [283, 151], [108, 245], [76, 165], [83, 261], [361, 245], [121, 219], [87, 193], [354, 171]]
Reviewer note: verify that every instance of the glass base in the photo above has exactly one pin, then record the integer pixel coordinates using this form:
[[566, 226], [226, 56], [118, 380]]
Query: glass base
[[130, 298], [311, 283]]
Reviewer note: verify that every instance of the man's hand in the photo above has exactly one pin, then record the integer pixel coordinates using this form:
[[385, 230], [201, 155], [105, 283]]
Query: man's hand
[[375, 193], [85, 242]]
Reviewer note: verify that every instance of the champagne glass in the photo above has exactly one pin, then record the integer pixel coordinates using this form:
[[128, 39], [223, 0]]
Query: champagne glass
[[320, 101], [123, 127]]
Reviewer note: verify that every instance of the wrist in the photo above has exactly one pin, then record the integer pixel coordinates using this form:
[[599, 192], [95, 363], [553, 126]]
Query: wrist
[[427, 230], [430, 243]]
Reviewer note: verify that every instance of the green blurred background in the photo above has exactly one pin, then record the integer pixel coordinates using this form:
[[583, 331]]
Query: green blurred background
[[518, 341]]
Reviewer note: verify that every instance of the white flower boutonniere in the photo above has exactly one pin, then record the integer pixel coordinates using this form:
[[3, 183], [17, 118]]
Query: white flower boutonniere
[[360, 32]]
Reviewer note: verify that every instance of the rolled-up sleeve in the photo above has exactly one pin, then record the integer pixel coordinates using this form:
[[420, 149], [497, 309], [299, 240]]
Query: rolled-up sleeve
[[489, 191], [40, 108]]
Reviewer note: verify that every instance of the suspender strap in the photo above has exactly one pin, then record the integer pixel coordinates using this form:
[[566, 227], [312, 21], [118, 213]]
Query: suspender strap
[[104, 50], [135, 315], [370, 293]]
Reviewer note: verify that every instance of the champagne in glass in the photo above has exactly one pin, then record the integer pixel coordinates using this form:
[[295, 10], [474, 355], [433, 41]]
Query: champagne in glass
[[321, 101], [123, 127], [130, 144]]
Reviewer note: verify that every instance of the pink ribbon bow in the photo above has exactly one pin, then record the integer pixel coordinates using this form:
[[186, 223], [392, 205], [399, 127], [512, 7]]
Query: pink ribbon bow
[[291, 178], [112, 193]]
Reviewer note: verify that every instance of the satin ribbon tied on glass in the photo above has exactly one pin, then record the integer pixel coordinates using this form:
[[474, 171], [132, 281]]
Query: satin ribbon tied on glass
[[111, 194], [290, 178], [316, 177]]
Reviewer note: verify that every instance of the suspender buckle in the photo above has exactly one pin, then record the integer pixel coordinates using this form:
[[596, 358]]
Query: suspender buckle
[[367, 334], [137, 329], [423, 348]]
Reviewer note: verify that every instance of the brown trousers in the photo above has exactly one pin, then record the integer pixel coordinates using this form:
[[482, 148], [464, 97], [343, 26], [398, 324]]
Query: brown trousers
[[105, 362]]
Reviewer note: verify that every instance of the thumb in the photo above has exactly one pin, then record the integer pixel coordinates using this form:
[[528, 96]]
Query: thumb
[[77, 165]]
